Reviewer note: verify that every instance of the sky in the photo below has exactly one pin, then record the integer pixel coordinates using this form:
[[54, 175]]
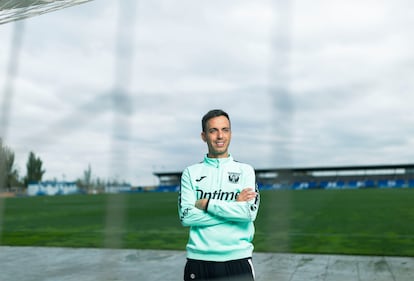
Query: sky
[[121, 86]]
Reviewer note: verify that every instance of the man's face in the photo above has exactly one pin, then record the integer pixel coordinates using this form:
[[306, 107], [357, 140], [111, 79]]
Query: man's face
[[217, 136]]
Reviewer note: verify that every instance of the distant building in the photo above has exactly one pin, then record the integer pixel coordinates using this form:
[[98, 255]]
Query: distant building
[[52, 188], [339, 177]]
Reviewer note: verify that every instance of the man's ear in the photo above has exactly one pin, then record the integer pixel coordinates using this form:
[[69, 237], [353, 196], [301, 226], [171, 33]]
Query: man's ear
[[203, 136]]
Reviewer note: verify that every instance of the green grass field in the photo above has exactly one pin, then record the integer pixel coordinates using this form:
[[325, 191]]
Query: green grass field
[[366, 222]]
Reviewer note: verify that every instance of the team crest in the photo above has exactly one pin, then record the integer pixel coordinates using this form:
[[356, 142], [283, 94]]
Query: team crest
[[234, 177]]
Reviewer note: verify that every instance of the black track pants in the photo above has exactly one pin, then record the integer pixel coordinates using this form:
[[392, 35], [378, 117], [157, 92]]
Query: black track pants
[[240, 270]]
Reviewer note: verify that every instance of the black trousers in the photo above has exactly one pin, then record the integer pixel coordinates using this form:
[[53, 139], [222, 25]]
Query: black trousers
[[240, 270]]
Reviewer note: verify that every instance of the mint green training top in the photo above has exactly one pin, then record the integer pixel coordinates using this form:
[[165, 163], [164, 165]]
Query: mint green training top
[[225, 230]]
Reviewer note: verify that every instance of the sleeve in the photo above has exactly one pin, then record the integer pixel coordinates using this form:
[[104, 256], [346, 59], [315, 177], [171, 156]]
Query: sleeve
[[238, 211], [188, 213]]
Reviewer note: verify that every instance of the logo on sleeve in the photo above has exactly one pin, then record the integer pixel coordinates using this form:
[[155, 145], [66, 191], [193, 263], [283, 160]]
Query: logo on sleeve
[[234, 177]]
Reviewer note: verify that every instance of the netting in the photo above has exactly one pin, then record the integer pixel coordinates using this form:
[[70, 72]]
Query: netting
[[291, 71], [11, 10]]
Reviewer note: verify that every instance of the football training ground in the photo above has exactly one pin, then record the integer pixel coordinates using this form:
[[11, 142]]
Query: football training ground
[[357, 222]]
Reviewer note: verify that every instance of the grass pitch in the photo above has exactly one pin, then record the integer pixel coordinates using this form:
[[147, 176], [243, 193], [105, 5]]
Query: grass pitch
[[365, 222]]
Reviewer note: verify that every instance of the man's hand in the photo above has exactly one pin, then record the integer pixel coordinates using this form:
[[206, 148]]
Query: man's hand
[[246, 194], [201, 204]]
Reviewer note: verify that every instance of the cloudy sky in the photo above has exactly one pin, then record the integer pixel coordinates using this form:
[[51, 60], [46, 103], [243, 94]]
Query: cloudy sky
[[122, 85]]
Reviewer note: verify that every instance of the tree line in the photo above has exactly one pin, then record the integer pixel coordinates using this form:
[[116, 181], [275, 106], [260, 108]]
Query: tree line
[[9, 175]]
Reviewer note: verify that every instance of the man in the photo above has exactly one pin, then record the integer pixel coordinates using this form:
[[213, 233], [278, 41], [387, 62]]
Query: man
[[219, 202]]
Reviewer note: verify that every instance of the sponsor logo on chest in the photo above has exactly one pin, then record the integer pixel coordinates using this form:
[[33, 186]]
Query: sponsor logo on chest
[[228, 191]]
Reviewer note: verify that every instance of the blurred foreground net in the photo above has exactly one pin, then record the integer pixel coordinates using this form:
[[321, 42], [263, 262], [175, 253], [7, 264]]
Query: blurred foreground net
[[12, 10]]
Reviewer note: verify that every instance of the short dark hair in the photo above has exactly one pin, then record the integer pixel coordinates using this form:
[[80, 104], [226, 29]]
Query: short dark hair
[[211, 114]]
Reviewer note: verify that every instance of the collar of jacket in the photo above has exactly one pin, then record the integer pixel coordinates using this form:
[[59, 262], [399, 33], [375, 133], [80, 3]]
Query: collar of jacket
[[216, 162]]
